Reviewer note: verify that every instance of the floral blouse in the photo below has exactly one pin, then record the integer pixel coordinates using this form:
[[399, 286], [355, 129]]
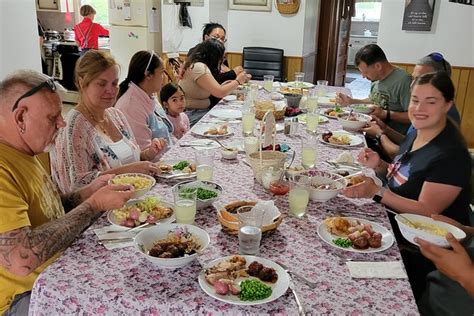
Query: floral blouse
[[81, 151]]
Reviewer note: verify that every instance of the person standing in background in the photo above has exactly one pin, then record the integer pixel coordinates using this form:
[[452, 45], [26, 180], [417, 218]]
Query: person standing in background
[[87, 32]]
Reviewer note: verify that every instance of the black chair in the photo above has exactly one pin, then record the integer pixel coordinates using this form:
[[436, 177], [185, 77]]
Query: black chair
[[260, 61]]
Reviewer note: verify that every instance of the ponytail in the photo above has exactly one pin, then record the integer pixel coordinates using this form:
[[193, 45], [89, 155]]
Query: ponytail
[[123, 87]]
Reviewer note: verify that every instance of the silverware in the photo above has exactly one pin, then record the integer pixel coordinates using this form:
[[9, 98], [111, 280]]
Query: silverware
[[298, 276], [115, 240], [301, 311], [129, 229], [415, 225], [207, 144], [222, 145]]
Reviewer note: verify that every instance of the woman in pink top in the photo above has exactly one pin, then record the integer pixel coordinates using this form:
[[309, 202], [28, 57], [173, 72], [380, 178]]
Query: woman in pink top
[[172, 99]]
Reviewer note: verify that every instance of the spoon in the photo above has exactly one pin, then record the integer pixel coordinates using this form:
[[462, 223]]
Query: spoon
[[222, 145], [406, 219], [284, 169]]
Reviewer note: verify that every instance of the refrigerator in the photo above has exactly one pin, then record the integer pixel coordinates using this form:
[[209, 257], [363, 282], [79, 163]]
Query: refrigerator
[[134, 25]]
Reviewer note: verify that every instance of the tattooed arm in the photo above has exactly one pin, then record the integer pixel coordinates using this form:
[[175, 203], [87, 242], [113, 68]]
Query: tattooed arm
[[24, 249]]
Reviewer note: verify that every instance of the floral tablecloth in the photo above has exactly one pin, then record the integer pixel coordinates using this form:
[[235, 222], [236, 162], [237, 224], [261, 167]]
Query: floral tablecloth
[[88, 279]]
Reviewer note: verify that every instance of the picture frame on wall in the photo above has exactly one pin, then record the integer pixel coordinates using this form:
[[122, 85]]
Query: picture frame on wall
[[251, 5]]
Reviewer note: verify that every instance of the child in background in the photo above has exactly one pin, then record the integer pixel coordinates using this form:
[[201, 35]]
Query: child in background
[[172, 99]]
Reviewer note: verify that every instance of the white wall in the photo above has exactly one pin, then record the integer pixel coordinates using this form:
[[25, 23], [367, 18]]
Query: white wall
[[19, 41], [452, 34]]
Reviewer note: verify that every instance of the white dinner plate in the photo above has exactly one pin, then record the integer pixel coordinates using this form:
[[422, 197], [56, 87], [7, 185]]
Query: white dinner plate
[[201, 130], [387, 236], [331, 94], [176, 174], [226, 114], [230, 97], [302, 119], [278, 288], [355, 140], [112, 218], [305, 85], [325, 111], [326, 101]]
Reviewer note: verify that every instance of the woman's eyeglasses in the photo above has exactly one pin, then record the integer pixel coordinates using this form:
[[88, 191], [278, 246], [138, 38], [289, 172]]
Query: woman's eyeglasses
[[437, 57], [46, 84], [223, 40], [149, 62]]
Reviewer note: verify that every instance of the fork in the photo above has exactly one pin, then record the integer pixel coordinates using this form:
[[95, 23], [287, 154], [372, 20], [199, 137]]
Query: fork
[[298, 276], [301, 311]]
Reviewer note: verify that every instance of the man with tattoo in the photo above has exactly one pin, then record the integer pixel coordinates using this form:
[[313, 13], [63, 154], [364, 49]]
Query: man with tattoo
[[36, 223]]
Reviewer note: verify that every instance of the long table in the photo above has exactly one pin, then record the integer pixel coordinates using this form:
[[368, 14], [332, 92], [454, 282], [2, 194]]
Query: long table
[[88, 279]]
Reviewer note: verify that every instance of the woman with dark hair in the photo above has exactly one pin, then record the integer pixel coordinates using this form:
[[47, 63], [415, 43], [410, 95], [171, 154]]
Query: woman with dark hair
[[138, 102], [431, 173], [199, 81], [172, 99]]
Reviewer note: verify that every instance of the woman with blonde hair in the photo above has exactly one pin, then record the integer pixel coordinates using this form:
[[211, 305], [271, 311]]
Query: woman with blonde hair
[[98, 139]]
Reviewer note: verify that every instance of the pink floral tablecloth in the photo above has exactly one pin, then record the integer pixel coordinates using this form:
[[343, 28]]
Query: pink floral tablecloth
[[88, 279]]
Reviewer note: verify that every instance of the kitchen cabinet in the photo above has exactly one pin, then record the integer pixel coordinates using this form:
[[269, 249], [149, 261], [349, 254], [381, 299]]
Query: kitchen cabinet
[[55, 5]]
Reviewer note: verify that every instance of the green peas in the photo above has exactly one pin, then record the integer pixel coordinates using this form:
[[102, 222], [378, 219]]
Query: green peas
[[253, 289], [342, 242]]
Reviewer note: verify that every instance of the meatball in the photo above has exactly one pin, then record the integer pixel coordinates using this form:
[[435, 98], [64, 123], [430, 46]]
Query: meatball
[[360, 243], [254, 268], [268, 275], [375, 241], [156, 251], [173, 250], [165, 254]]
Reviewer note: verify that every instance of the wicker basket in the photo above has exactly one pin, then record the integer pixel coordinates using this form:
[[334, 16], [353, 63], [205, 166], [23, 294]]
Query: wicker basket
[[273, 159], [263, 106], [288, 8], [279, 115], [230, 224]]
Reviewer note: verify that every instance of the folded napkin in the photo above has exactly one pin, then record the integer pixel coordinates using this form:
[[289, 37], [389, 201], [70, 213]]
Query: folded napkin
[[271, 212], [115, 237], [377, 270], [345, 157]]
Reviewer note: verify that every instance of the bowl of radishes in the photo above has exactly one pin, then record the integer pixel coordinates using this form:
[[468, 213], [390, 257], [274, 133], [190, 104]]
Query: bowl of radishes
[[137, 212]]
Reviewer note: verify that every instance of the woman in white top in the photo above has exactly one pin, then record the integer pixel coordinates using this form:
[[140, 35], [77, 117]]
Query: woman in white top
[[97, 138]]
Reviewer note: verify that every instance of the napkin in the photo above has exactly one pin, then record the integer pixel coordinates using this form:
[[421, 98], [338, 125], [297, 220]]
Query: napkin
[[345, 157], [102, 234], [271, 211], [377, 270]]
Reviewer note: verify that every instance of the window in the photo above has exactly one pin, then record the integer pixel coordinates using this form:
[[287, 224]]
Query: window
[[102, 11], [367, 11]]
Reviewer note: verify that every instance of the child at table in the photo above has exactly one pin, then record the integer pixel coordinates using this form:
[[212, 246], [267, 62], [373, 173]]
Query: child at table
[[172, 99]]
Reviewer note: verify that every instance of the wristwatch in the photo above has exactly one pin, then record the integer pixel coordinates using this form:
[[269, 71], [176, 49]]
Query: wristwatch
[[379, 195], [378, 136]]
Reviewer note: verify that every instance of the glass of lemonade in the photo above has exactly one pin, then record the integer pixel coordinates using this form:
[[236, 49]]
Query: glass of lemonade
[[299, 195], [185, 205], [204, 164], [250, 229], [268, 82], [248, 120], [299, 79], [308, 151], [250, 144], [312, 100], [312, 121], [322, 87]]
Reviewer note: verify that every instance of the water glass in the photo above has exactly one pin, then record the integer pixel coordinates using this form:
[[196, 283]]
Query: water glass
[[312, 120], [185, 205], [299, 195], [299, 79], [250, 144], [308, 151], [250, 229], [268, 82], [312, 100], [204, 163], [248, 120], [252, 93], [322, 87]]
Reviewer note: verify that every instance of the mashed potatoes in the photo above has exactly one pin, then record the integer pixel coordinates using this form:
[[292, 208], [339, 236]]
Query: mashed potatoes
[[138, 182], [429, 228]]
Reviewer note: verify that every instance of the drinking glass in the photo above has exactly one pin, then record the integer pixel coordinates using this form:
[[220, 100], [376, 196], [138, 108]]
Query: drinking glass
[[312, 120], [312, 100], [185, 205], [250, 144], [204, 163], [248, 120], [299, 79], [252, 93], [322, 87], [268, 82], [299, 195], [250, 229], [308, 151]]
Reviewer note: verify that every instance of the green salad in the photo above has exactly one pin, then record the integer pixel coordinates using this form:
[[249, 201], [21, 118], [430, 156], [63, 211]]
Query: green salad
[[202, 194], [181, 165]]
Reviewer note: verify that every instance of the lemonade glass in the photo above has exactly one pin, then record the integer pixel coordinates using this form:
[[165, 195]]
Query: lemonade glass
[[309, 151], [312, 121], [268, 82], [204, 163], [248, 120], [299, 195], [185, 205]]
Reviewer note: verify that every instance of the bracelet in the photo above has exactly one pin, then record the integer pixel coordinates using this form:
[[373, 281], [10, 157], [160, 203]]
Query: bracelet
[[238, 81], [387, 118]]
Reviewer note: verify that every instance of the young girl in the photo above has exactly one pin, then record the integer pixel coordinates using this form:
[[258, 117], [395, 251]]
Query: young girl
[[172, 99]]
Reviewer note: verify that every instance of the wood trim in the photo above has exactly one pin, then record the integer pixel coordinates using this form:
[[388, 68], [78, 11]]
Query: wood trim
[[463, 80]]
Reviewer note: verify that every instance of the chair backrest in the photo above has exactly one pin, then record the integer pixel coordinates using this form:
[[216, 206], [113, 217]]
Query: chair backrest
[[260, 61]]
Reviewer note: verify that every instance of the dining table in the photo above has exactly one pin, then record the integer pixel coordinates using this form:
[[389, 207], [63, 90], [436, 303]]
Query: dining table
[[89, 279]]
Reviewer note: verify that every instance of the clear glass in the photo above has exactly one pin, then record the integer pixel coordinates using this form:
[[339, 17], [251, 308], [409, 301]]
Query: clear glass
[[299, 195], [204, 163], [250, 229], [299, 79], [309, 151], [312, 100], [322, 87], [250, 144], [252, 94], [248, 120], [185, 205], [268, 82], [312, 121]]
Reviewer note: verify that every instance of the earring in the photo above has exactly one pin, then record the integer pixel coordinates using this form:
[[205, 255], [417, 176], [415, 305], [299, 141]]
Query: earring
[[22, 130]]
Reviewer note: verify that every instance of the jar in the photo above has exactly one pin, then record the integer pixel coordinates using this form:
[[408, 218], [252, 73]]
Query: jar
[[269, 175]]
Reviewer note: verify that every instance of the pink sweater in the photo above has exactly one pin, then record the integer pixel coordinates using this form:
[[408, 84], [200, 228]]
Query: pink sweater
[[180, 124]]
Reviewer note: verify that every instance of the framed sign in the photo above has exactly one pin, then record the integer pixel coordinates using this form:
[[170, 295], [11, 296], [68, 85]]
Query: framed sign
[[251, 5], [418, 15]]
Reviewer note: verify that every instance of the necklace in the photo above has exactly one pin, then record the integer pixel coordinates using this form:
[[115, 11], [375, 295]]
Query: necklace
[[96, 121]]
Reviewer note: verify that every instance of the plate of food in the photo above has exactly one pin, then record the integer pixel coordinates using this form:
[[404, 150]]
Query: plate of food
[[212, 130], [340, 139], [355, 234], [177, 169], [137, 212], [302, 119], [333, 113], [226, 114], [327, 101], [244, 280], [290, 90], [303, 85], [230, 98], [362, 108], [141, 183]]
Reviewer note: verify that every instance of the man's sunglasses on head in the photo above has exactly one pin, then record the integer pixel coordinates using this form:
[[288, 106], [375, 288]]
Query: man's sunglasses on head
[[49, 84]]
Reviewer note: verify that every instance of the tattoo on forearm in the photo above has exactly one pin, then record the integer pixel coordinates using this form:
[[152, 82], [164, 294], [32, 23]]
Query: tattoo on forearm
[[70, 201], [25, 249]]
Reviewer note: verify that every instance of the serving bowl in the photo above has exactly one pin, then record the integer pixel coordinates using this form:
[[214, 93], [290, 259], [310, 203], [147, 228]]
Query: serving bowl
[[147, 238], [293, 99], [142, 183], [319, 178], [362, 108], [410, 232], [208, 185], [357, 121], [229, 154]]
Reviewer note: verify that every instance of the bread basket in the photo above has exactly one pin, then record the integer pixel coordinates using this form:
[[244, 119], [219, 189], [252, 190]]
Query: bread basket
[[227, 216], [263, 106], [269, 158]]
